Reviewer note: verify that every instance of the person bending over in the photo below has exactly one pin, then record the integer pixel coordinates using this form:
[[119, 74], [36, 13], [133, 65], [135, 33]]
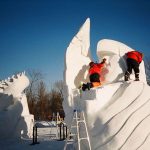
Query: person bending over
[[134, 58], [94, 75]]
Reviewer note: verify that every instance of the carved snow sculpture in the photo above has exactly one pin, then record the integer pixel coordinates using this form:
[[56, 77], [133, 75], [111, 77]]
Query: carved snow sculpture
[[15, 119], [76, 66], [78, 57], [117, 114]]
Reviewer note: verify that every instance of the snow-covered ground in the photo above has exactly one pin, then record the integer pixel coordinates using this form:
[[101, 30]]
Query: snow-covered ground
[[25, 144], [48, 138]]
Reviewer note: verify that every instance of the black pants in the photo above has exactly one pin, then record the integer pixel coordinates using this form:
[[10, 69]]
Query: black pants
[[95, 77], [132, 64]]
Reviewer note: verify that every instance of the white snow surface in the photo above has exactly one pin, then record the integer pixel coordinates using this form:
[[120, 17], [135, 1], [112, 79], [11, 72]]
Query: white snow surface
[[117, 113], [44, 140], [26, 144]]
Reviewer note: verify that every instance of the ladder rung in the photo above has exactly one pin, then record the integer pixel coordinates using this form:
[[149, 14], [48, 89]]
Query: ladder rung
[[70, 143], [81, 121], [76, 118], [83, 139], [72, 134], [73, 126]]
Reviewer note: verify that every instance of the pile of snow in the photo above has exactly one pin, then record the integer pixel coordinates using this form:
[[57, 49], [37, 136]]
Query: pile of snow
[[117, 114]]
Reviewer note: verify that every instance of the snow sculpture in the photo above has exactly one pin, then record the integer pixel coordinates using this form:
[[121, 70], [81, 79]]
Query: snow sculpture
[[76, 61], [15, 119], [78, 57], [117, 113]]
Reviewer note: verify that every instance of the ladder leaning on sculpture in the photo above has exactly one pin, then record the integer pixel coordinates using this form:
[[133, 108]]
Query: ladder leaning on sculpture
[[74, 133]]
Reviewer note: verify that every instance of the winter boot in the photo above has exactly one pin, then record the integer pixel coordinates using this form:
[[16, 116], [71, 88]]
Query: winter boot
[[86, 86], [127, 76], [137, 77], [83, 87]]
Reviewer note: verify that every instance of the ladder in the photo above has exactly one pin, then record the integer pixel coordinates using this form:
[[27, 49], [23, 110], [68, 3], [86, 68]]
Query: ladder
[[74, 136]]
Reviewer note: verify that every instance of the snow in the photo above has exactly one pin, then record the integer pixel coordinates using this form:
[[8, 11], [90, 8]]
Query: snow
[[117, 113], [48, 138], [16, 123], [15, 119], [27, 145]]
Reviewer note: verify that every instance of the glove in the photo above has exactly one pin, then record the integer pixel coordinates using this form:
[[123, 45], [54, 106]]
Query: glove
[[104, 60]]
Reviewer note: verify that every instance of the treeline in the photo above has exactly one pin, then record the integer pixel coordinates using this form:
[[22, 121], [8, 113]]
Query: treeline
[[44, 103]]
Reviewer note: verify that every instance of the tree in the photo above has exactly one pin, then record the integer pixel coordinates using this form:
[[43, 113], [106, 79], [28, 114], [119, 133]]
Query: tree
[[57, 98], [56, 103], [43, 103], [35, 78], [59, 86]]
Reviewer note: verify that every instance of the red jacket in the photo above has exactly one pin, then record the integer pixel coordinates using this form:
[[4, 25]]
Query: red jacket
[[96, 68], [135, 55]]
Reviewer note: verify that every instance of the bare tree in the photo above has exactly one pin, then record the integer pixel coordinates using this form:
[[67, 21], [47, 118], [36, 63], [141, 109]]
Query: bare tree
[[56, 102], [43, 103], [35, 77], [59, 86]]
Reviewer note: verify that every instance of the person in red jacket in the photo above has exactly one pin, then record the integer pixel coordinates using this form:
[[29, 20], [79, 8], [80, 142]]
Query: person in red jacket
[[94, 72], [94, 75], [134, 58]]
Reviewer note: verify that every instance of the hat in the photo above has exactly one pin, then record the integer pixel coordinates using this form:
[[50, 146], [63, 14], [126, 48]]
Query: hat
[[91, 63]]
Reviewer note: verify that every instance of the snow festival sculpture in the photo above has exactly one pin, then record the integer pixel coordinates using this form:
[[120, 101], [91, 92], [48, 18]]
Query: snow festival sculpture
[[117, 113], [15, 119]]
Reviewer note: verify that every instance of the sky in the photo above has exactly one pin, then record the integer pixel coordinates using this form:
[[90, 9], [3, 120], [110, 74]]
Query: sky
[[34, 34]]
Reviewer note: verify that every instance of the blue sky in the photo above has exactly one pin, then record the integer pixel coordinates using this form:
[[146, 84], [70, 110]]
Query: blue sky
[[34, 34]]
